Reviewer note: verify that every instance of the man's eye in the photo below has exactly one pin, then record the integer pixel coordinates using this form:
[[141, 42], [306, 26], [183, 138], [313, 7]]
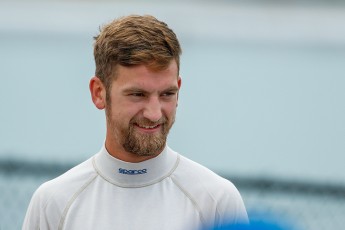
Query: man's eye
[[137, 94], [168, 94]]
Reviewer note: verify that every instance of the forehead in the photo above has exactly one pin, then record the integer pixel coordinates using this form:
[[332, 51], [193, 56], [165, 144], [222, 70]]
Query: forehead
[[143, 76]]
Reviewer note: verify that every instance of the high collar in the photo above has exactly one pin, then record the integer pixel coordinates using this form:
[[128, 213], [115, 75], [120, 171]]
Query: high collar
[[125, 174]]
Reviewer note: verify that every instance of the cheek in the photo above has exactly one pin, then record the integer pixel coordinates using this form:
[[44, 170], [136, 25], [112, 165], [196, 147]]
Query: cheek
[[127, 112], [170, 109]]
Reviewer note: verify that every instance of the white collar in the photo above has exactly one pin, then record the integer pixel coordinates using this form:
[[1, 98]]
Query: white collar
[[125, 174]]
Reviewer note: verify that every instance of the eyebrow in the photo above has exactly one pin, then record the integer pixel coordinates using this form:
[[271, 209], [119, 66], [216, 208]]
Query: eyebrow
[[172, 88], [136, 89]]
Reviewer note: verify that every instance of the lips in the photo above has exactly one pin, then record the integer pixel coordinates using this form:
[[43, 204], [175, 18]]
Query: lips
[[148, 126]]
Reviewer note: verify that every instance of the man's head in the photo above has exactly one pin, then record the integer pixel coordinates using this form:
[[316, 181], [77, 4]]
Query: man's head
[[137, 82], [134, 40]]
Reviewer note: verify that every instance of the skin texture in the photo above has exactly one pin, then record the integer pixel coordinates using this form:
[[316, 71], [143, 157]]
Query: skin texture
[[140, 111]]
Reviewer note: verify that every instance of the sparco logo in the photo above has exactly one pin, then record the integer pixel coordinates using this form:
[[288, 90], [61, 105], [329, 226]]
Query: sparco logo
[[132, 172]]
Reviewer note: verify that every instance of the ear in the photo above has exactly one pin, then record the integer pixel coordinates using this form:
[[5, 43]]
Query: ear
[[179, 83], [98, 92]]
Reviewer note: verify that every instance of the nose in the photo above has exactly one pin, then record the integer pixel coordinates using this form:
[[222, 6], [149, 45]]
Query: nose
[[153, 109]]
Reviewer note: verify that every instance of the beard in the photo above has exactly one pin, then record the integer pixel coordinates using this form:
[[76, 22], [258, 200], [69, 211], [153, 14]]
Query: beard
[[139, 143]]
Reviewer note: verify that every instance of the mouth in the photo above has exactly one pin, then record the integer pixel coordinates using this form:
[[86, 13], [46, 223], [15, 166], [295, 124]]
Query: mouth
[[148, 128]]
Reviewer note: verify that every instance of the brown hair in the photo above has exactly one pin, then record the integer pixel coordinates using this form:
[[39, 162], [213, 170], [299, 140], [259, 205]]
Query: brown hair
[[134, 40]]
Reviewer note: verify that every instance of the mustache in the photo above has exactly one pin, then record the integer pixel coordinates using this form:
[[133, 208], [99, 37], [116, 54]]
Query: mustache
[[147, 122]]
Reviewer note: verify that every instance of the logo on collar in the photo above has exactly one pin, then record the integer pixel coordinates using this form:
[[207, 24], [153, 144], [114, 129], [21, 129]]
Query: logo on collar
[[132, 171]]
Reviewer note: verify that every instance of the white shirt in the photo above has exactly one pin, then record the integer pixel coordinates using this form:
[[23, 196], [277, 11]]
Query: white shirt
[[165, 192]]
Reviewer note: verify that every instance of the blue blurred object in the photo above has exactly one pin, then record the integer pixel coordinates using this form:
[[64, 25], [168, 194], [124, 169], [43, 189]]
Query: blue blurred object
[[259, 225], [260, 222]]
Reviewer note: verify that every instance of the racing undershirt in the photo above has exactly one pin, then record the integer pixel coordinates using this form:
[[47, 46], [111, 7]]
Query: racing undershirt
[[165, 192]]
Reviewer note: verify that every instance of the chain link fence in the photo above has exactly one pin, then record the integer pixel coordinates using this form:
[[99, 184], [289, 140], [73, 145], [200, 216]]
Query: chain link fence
[[305, 206]]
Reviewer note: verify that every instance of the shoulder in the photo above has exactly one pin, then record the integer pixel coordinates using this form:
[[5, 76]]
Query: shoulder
[[204, 179], [217, 198], [69, 181], [51, 198]]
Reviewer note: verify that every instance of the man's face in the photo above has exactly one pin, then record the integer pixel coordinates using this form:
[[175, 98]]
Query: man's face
[[141, 109]]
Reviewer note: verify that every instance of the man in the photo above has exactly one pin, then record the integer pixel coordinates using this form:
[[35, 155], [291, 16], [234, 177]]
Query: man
[[136, 181]]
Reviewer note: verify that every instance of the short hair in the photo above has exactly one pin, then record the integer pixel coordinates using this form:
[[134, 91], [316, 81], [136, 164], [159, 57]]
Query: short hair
[[134, 40]]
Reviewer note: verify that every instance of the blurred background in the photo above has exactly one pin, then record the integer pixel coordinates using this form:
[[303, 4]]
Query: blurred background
[[261, 103]]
